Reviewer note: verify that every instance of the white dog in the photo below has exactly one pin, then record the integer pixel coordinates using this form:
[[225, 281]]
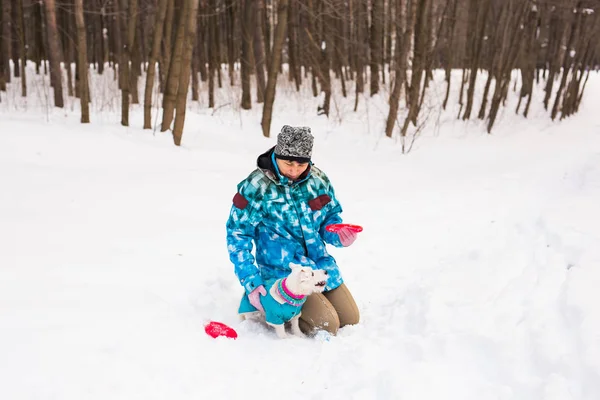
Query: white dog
[[285, 298]]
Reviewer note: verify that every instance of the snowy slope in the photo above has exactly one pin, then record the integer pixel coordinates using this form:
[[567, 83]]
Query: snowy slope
[[476, 274]]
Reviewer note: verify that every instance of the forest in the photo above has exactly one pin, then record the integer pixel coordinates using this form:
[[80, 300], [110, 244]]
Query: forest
[[361, 46]]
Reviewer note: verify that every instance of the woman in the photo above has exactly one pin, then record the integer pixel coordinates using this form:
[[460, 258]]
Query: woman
[[283, 207]]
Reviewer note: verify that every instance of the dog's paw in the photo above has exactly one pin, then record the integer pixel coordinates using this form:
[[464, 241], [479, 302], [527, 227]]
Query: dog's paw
[[300, 335]]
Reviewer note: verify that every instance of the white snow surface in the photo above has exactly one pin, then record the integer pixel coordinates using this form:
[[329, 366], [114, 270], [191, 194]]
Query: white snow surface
[[476, 275]]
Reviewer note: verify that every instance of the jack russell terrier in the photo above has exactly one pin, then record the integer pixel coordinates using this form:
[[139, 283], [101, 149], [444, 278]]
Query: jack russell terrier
[[285, 298]]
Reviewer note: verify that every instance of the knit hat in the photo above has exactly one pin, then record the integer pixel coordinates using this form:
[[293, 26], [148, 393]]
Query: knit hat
[[294, 144]]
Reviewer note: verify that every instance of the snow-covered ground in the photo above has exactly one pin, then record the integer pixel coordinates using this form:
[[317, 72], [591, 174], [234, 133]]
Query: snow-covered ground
[[477, 273]]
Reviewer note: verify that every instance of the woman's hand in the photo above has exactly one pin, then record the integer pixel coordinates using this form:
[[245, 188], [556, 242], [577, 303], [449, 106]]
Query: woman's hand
[[347, 236], [254, 298]]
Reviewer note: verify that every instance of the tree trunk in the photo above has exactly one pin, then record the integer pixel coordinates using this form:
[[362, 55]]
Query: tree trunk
[[429, 46], [117, 41], [230, 22], [361, 47], [449, 61], [581, 52], [266, 26], [69, 31], [175, 65], [339, 53], [136, 62], [478, 38], [217, 43], [558, 27], [292, 33], [246, 61], [195, 82], [100, 45], [527, 60], [278, 40], [201, 39], [387, 38], [54, 53], [15, 43], [38, 39], [498, 37], [212, 56], [508, 62], [21, 31], [83, 62], [584, 67], [399, 66], [7, 38], [159, 24], [190, 21], [567, 62], [325, 54], [259, 50], [377, 22], [315, 50], [167, 43], [418, 18], [2, 61], [128, 23]]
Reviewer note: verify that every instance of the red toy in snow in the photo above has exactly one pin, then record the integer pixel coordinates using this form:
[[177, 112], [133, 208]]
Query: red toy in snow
[[215, 329], [337, 227]]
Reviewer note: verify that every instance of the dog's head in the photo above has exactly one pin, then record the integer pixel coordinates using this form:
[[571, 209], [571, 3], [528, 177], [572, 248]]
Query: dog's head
[[305, 280]]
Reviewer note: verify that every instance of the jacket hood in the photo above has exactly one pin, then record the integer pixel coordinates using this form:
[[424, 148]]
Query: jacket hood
[[264, 161]]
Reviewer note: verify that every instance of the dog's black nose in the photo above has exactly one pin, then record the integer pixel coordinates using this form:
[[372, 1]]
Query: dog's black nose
[[325, 272]]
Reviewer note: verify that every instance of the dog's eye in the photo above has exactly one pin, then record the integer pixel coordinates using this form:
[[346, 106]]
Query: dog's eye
[[313, 274]]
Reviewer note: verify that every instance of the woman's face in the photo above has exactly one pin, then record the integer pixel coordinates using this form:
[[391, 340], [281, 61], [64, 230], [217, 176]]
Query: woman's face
[[291, 169]]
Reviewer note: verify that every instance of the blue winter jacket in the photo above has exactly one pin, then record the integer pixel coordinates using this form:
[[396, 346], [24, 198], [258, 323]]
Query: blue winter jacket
[[286, 221]]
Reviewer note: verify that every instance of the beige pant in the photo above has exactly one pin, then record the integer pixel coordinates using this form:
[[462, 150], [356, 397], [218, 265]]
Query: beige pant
[[329, 311]]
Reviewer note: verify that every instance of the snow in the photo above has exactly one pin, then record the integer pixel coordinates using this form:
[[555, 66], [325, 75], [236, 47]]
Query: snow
[[476, 275]]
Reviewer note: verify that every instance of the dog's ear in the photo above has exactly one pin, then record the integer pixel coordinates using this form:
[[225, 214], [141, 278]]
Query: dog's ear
[[295, 266], [305, 274]]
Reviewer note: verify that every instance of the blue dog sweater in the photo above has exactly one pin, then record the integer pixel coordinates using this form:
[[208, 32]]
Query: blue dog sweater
[[276, 313]]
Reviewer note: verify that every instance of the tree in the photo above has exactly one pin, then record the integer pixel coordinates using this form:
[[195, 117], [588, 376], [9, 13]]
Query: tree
[[278, 40], [23, 49], [478, 14], [184, 79], [292, 34], [377, 22], [418, 18], [339, 53], [128, 23], [230, 24], [360, 28], [449, 47], [212, 52], [150, 74], [259, 49], [6, 47], [167, 42], [54, 53], [83, 63], [325, 57], [569, 57], [400, 54], [246, 57], [175, 64], [68, 36], [507, 61]]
